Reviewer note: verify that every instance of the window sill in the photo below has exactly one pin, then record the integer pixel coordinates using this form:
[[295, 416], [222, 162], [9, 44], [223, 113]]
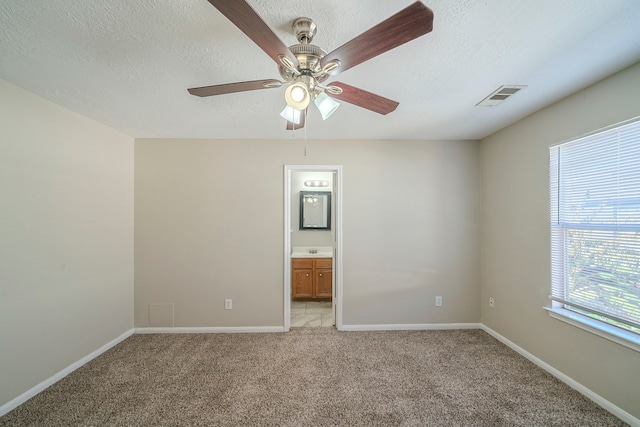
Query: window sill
[[624, 338]]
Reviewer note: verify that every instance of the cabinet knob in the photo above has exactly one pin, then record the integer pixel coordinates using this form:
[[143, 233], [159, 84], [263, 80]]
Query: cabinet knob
[[307, 274], [320, 274]]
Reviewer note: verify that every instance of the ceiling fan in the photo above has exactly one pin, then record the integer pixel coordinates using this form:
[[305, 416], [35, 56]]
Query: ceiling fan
[[305, 67]]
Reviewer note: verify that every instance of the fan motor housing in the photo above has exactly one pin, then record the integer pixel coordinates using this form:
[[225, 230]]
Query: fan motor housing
[[308, 57]]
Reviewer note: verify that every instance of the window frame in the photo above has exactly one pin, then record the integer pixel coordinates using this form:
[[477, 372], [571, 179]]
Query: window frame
[[557, 310]]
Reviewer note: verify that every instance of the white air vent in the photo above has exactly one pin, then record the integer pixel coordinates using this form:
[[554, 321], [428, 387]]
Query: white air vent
[[500, 95]]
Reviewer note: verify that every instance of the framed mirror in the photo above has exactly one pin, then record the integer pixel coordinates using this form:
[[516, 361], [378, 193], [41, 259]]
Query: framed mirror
[[315, 210]]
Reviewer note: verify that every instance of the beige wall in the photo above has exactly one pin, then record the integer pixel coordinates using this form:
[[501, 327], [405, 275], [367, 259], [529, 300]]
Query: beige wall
[[411, 229], [515, 239], [66, 238]]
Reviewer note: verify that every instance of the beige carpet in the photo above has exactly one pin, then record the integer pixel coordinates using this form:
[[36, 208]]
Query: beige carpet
[[311, 377]]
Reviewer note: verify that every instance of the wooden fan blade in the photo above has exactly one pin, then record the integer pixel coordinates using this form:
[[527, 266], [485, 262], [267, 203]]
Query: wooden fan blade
[[293, 126], [406, 25], [242, 15], [364, 99], [234, 87]]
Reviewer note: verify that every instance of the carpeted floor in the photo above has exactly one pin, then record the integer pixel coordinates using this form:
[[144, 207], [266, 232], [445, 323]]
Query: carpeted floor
[[311, 377]]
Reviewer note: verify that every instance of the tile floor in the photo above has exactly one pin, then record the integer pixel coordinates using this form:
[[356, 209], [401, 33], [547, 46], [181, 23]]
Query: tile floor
[[311, 314]]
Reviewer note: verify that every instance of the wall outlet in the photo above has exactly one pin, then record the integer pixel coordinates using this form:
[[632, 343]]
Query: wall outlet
[[492, 303], [228, 304], [438, 301]]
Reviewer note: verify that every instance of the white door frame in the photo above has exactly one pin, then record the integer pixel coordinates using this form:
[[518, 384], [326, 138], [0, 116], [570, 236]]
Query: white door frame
[[337, 252]]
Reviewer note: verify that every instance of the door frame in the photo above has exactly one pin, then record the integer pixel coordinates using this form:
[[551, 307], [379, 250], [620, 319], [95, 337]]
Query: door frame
[[337, 251]]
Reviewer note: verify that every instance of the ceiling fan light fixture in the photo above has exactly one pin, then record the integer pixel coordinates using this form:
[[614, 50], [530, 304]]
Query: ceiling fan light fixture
[[305, 66], [297, 96], [292, 115], [326, 105]]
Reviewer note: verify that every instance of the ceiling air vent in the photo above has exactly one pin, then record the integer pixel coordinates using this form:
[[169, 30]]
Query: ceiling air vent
[[500, 95]]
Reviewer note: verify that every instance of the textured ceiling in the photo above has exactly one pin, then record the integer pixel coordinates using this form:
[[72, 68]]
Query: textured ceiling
[[128, 63]]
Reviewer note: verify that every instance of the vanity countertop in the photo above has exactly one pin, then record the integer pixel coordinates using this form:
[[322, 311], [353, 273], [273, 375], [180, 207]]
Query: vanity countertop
[[312, 252]]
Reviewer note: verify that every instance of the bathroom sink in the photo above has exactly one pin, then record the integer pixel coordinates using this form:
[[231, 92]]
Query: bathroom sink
[[312, 252]]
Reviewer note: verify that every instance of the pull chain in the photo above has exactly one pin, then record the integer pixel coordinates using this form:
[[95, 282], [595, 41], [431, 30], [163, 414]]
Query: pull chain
[[305, 133], [293, 134]]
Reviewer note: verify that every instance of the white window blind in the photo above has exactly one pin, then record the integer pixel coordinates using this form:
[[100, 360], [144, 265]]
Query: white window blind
[[595, 225]]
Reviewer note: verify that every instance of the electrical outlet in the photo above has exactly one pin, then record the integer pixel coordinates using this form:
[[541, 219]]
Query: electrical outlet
[[438, 301], [492, 303], [228, 304]]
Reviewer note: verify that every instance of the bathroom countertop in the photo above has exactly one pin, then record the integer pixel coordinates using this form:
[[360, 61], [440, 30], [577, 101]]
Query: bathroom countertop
[[312, 252]]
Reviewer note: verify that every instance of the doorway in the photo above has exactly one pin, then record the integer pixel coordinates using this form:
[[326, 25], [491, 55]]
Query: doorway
[[314, 256]]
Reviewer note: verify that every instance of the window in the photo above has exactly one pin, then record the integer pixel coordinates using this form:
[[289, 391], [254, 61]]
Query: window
[[595, 230]]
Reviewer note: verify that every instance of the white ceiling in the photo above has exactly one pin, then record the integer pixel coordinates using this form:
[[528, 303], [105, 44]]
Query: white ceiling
[[128, 63]]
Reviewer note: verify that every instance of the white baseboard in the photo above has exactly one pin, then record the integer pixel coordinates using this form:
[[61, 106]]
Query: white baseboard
[[411, 327], [12, 404], [618, 412], [211, 330]]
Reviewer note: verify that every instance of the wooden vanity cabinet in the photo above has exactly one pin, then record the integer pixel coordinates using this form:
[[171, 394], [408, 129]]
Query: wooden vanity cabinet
[[311, 278], [302, 278], [323, 277]]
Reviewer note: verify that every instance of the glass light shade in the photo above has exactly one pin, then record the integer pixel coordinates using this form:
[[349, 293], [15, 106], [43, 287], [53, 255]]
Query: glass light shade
[[291, 114], [297, 96], [326, 105]]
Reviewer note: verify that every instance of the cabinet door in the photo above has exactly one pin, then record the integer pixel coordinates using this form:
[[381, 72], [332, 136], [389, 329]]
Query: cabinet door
[[302, 283], [323, 283]]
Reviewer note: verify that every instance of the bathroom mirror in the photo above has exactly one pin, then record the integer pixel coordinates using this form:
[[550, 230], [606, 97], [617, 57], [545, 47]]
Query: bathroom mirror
[[315, 210]]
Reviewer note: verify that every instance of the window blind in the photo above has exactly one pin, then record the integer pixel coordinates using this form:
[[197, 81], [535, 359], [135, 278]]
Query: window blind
[[595, 225]]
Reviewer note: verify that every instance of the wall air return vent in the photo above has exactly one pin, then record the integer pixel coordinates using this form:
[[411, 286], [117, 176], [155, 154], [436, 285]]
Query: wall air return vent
[[500, 95]]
